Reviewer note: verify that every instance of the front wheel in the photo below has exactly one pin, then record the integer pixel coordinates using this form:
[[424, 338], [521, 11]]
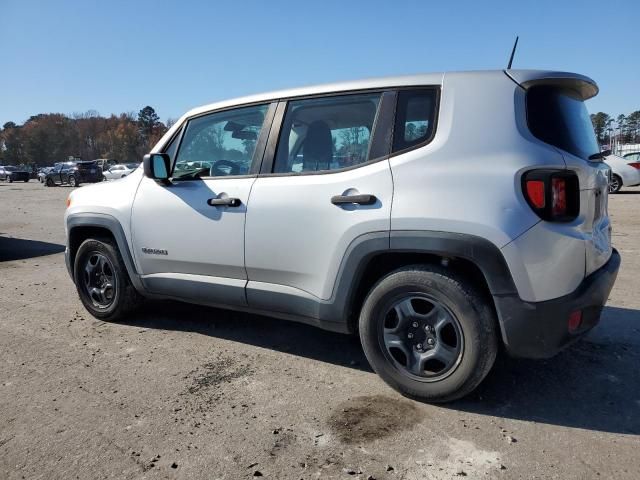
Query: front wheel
[[102, 280], [428, 333], [615, 184], [72, 181], [49, 182], [9, 179]]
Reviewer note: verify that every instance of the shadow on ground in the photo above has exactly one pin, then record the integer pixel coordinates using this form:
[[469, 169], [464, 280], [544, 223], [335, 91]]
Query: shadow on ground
[[20, 248], [593, 385]]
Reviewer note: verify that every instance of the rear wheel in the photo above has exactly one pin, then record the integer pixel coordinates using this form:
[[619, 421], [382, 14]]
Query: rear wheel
[[102, 280], [9, 179], [428, 333], [615, 184], [26, 180]]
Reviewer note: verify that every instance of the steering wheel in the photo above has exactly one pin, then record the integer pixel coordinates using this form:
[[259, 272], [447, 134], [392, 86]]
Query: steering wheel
[[223, 168]]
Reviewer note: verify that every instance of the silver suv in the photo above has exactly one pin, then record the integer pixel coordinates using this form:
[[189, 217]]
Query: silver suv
[[439, 216]]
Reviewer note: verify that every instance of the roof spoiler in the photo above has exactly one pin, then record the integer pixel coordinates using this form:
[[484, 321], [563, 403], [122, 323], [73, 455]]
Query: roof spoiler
[[585, 87]]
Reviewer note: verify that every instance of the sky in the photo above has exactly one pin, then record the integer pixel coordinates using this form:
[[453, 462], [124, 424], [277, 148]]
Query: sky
[[117, 56]]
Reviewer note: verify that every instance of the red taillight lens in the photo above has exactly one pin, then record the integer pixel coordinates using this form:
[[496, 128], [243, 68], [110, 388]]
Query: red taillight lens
[[575, 320], [535, 193], [635, 165], [558, 197], [554, 195]]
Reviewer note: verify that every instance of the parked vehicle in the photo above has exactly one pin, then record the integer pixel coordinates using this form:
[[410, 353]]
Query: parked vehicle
[[74, 173], [624, 171], [42, 172], [105, 163], [10, 174], [438, 216], [117, 171], [632, 157]]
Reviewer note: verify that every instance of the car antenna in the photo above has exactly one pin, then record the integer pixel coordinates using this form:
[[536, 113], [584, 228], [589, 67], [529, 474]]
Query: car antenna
[[513, 52]]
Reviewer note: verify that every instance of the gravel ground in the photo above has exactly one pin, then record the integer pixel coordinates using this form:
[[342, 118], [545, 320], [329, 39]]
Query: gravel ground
[[179, 391]]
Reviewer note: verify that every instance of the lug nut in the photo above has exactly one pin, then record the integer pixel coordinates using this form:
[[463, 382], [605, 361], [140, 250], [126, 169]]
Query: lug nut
[[419, 346], [430, 341], [410, 335], [414, 324]]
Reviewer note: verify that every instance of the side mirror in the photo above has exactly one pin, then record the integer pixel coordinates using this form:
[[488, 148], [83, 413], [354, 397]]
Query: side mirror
[[157, 165]]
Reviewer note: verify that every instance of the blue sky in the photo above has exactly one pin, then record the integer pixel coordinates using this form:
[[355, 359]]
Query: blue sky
[[114, 56]]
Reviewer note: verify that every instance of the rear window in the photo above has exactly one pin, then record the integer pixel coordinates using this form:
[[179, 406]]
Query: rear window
[[560, 118]]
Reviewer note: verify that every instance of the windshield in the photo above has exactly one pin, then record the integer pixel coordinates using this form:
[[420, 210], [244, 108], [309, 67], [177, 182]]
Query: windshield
[[560, 118], [10, 169]]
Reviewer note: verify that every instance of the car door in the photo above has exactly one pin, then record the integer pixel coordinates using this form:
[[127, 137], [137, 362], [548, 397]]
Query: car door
[[326, 184], [188, 234]]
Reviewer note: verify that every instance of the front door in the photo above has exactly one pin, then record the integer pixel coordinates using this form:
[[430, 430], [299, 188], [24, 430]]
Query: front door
[[188, 234]]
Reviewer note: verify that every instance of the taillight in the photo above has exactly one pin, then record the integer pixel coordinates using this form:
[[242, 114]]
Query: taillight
[[554, 195], [635, 165]]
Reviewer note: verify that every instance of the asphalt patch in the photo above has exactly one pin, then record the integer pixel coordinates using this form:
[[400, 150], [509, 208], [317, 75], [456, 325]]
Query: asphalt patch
[[368, 418]]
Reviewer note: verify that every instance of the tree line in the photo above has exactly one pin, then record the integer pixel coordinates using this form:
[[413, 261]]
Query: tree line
[[54, 137], [626, 128]]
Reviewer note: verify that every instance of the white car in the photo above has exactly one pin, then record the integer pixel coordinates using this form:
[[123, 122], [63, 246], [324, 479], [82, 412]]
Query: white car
[[624, 172], [441, 217], [119, 171]]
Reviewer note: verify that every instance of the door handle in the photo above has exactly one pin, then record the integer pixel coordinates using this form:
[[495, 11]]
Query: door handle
[[364, 199], [224, 202]]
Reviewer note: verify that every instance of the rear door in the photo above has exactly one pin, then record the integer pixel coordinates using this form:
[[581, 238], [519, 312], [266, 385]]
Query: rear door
[[189, 233], [325, 182]]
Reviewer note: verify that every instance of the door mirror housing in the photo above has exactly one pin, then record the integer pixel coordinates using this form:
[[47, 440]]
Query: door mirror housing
[[157, 166]]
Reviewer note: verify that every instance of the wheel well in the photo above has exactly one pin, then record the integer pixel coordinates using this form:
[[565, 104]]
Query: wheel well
[[77, 235], [383, 264]]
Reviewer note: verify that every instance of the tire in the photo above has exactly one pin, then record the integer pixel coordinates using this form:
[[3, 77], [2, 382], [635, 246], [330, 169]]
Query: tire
[[9, 179], [616, 184], [435, 293], [49, 183], [123, 298], [72, 181], [26, 180]]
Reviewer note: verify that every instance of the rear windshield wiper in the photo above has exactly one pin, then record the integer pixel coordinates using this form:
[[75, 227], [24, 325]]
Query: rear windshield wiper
[[600, 155]]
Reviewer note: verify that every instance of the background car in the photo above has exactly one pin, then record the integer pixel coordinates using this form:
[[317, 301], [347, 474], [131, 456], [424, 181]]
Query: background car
[[624, 171], [42, 173], [117, 171], [632, 157], [13, 174], [74, 173]]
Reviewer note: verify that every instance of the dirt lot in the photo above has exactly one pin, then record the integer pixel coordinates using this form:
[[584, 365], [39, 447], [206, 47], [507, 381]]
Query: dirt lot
[[187, 392]]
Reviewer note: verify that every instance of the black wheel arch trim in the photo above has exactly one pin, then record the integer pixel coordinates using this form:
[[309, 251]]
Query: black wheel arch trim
[[110, 223], [477, 250]]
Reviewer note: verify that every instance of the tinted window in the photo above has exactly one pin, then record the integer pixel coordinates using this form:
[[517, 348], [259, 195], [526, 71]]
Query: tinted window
[[415, 118], [326, 133], [220, 144], [560, 118]]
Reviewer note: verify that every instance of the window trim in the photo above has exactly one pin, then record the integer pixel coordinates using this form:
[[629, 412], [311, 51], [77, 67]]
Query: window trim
[[436, 115], [265, 163], [258, 153]]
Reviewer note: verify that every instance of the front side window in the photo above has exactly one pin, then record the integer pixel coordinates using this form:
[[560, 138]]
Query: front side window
[[326, 133], [219, 144], [415, 118]]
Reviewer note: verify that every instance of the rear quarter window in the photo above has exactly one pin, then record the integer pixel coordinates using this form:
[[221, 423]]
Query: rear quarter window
[[415, 118]]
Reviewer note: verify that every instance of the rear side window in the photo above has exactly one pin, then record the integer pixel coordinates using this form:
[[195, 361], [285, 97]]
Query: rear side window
[[560, 118], [323, 134], [415, 118]]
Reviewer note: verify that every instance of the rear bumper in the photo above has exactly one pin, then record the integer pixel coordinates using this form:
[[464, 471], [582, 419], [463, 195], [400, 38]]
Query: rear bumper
[[540, 329]]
